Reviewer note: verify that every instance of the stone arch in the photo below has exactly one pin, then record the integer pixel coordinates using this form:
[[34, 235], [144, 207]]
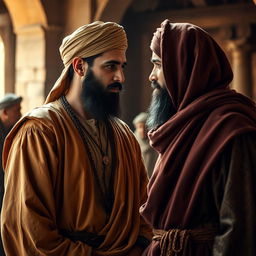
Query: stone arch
[[29, 22], [36, 44], [27, 12]]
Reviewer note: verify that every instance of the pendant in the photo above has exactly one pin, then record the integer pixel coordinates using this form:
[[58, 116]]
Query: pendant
[[105, 160]]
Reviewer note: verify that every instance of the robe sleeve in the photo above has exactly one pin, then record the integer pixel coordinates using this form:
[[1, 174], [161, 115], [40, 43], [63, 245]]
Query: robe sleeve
[[28, 219], [237, 206]]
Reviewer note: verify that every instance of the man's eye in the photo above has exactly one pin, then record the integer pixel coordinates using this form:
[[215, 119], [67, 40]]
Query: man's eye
[[110, 67]]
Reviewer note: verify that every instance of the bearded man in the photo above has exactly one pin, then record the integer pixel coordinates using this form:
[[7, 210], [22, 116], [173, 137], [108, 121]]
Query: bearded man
[[202, 197], [75, 178]]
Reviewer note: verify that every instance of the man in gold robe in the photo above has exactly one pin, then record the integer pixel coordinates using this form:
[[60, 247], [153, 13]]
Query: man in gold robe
[[74, 177]]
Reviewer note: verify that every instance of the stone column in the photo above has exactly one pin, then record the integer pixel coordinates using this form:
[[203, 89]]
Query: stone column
[[241, 64], [38, 63], [30, 65]]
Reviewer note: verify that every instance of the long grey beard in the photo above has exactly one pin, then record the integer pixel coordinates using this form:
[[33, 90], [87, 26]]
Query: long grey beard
[[160, 110]]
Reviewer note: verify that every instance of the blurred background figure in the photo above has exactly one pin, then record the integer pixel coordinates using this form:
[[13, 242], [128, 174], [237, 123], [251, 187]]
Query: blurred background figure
[[10, 113], [148, 153]]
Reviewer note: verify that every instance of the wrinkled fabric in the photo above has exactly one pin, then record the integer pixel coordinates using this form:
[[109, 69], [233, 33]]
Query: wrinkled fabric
[[50, 186], [87, 41], [209, 116], [236, 201]]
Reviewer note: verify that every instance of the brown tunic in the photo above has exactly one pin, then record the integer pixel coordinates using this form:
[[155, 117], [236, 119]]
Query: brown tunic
[[50, 186]]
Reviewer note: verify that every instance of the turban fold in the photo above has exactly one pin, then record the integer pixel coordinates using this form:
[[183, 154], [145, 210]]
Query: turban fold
[[88, 40]]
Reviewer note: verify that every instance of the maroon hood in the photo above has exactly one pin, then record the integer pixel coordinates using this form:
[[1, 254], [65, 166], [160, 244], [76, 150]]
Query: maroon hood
[[208, 116]]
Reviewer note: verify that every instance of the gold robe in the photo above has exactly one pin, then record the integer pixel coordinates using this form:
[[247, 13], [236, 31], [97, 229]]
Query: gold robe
[[49, 185]]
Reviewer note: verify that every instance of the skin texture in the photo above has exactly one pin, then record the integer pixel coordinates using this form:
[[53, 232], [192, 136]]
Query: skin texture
[[157, 74], [108, 68]]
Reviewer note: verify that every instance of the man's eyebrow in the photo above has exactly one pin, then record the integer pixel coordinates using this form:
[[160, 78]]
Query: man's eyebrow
[[115, 62]]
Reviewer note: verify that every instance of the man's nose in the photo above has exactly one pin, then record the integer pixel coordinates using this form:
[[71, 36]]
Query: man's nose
[[119, 76], [152, 77]]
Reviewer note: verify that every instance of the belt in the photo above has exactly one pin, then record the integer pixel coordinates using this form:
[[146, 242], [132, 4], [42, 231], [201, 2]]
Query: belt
[[88, 238], [174, 241]]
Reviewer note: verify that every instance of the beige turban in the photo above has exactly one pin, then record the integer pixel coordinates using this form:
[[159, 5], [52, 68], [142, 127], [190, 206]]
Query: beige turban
[[88, 40]]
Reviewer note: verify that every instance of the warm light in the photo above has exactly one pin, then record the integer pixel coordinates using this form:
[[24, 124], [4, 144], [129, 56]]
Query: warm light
[[1, 68]]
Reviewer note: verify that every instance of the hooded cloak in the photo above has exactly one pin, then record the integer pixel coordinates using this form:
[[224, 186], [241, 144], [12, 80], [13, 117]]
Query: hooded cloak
[[209, 115]]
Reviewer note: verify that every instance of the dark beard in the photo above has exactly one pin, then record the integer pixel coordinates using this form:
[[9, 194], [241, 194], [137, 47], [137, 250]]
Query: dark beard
[[161, 108], [97, 100]]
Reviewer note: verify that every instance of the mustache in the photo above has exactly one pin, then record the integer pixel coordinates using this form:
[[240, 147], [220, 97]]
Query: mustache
[[115, 85], [155, 85]]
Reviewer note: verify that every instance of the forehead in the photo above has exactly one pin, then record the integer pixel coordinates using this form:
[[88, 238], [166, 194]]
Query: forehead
[[116, 55], [155, 58]]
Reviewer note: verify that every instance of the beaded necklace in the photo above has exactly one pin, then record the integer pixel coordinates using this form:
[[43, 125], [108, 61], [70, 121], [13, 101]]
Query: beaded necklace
[[106, 190]]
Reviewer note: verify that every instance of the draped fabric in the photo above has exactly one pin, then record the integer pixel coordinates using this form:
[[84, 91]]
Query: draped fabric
[[193, 63], [87, 41], [50, 187], [209, 115]]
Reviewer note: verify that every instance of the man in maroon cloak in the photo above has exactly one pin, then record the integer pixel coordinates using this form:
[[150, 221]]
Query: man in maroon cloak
[[202, 195]]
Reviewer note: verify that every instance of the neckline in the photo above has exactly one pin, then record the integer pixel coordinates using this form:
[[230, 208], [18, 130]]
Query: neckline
[[106, 191]]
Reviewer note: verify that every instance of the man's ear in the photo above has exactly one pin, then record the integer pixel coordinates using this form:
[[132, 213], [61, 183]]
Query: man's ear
[[80, 66]]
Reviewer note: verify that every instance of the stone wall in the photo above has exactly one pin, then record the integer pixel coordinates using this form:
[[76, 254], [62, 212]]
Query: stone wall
[[30, 66]]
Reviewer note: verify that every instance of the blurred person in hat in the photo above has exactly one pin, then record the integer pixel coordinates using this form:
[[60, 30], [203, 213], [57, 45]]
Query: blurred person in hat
[[148, 153], [10, 113], [75, 176]]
